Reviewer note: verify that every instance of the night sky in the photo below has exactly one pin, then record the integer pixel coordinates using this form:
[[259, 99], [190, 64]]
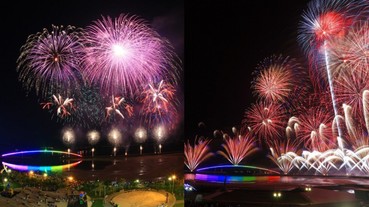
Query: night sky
[[225, 40], [220, 42], [23, 124]]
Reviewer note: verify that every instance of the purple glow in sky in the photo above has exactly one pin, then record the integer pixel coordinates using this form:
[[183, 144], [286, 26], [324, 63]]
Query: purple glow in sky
[[123, 54]]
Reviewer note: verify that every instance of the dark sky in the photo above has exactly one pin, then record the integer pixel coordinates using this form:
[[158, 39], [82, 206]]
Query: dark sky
[[23, 124], [225, 40]]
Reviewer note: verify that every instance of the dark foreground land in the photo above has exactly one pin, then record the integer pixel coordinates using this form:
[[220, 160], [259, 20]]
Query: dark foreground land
[[98, 177]]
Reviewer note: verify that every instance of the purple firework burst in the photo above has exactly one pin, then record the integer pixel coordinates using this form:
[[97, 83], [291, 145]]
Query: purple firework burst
[[50, 61], [124, 54]]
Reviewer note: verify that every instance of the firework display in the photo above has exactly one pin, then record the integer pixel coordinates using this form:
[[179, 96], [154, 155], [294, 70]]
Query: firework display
[[197, 153], [50, 61], [159, 104], [117, 102], [113, 73], [238, 148], [312, 120], [277, 77], [63, 107], [265, 120], [124, 54]]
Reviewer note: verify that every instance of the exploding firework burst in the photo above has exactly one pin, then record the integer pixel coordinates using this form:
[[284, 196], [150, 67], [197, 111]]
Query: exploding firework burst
[[326, 19], [118, 107], [265, 120], [68, 136], [349, 90], [140, 135], [196, 154], [159, 104], [123, 54], [50, 61], [115, 137], [283, 153], [315, 129], [62, 107], [238, 148], [349, 55], [93, 137], [160, 133], [322, 21], [277, 78]]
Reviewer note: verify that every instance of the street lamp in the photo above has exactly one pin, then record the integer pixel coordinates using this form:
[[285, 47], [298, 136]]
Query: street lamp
[[92, 151], [141, 148], [5, 180], [115, 151], [172, 178], [277, 194], [70, 179], [159, 148]]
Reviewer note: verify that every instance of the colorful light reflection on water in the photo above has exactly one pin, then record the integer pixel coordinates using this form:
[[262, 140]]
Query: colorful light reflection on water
[[231, 178], [226, 174], [55, 168]]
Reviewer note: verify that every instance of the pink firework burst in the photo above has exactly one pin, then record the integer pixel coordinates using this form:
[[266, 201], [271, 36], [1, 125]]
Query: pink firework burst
[[277, 78], [238, 148], [124, 54], [50, 61], [63, 107], [315, 129], [118, 106], [266, 120], [196, 154]]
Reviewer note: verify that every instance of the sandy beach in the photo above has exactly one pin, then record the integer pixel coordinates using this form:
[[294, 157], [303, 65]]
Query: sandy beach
[[141, 198]]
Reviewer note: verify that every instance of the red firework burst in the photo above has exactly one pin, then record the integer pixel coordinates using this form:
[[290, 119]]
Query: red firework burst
[[351, 53], [63, 107], [349, 90], [159, 104], [266, 120], [238, 148], [196, 154], [315, 129], [278, 78], [322, 21], [330, 24], [283, 152]]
